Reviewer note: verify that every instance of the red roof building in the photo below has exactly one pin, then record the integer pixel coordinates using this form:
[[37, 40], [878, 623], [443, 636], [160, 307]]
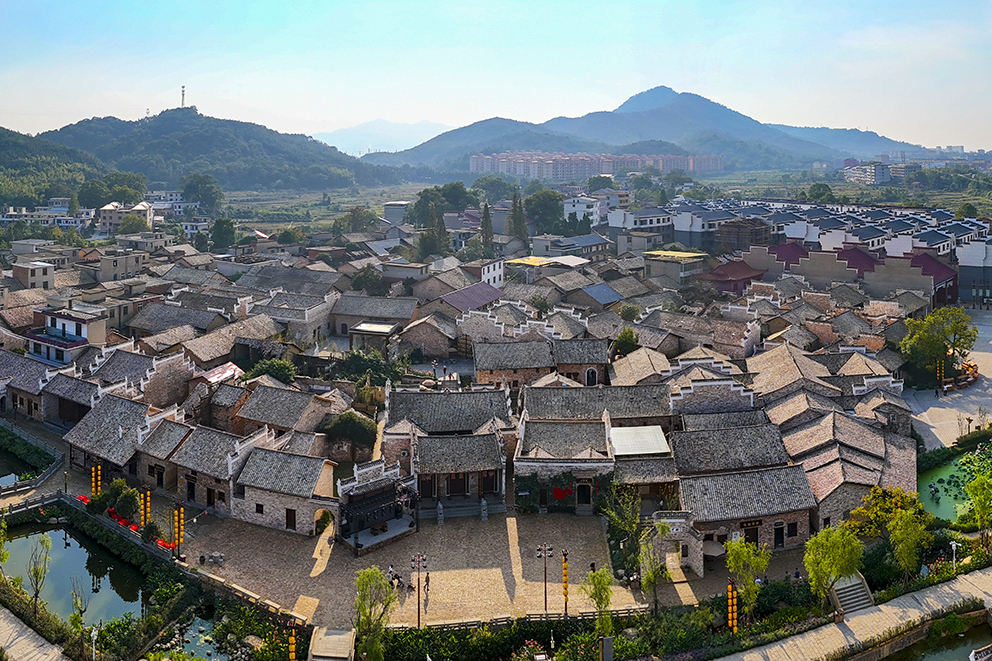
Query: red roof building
[[858, 259], [789, 253], [733, 276], [945, 279]]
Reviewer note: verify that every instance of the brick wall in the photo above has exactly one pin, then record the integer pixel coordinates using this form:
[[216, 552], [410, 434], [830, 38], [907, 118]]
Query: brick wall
[[222, 496], [169, 384], [840, 503], [170, 473], [393, 447], [766, 531], [274, 506], [25, 403], [515, 378], [427, 338], [222, 417], [578, 372]]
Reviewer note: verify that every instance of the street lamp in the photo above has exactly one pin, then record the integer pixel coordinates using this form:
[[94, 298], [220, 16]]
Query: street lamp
[[417, 563], [545, 551], [954, 556]]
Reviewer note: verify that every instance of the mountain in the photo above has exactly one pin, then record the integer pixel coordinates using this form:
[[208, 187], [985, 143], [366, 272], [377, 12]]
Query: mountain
[[381, 135], [33, 169], [863, 144], [240, 155]]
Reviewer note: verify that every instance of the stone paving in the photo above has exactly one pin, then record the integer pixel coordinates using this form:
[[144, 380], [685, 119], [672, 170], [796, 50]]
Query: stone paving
[[20, 642], [873, 622]]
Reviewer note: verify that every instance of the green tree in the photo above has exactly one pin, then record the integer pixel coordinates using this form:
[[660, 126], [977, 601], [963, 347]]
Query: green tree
[[4, 538], [585, 226], [369, 280], [38, 564], [355, 427], [820, 192], [534, 186], [540, 304], [93, 194], [627, 341], [490, 188], [128, 503], [980, 492], [291, 235], [622, 508], [831, 554], [486, 228], [282, 370], [629, 312], [73, 203], [222, 234], [966, 210], [449, 197], [746, 561], [360, 219], [908, 535], [545, 208], [126, 195], [375, 599], [473, 250], [640, 182], [80, 602], [517, 221], [654, 570], [201, 242], [131, 224], [871, 519], [600, 182], [945, 329], [133, 180], [202, 188], [599, 588]]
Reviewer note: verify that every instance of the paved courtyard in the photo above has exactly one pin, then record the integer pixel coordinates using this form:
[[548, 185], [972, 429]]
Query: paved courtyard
[[937, 418]]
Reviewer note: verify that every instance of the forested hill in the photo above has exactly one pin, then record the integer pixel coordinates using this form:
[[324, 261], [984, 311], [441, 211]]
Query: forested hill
[[33, 169], [240, 155]]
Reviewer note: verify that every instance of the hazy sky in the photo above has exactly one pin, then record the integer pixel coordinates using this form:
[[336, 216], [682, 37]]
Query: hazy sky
[[914, 71]]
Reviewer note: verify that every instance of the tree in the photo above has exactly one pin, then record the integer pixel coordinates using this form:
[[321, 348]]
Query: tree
[[653, 567], [128, 503], [126, 195], [374, 601], [133, 180], [282, 370], [517, 222], [746, 561], [360, 219], [629, 311], [945, 329], [201, 242], [540, 304], [41, 557], [486, 228], [80, 602], [831, 554], [222, 234], [369, 280], [871, 519], [131, 224], [585, 226], [820, 192], [493, 189], [73, 203], [291, 235], [202, 188], [627, 341], [4, 538], [600, 182], [599, 588], [534, 186], [449, 197], [907, 535], [980, 492], [622, 509], [360, 430], [966, 210], [545, 208], [93, 194]]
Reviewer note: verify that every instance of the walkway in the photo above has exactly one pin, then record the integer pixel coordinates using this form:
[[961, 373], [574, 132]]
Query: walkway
[[20, 642], [873, 622]]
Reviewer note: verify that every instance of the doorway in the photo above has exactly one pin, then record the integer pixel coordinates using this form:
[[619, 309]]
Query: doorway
[[458, 484], [780, 537], [290, 519], [584, 494], [210, 497], [159, 478], [592, 376], [543, 498], [751, 535], [191, 490]]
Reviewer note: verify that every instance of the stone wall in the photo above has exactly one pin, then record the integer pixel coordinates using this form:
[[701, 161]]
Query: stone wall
[[427, 338], [222, 417], [397, 447], [169, 479], [516, 379], [274, 506], [578, 372], [222, 496], [838, 505]]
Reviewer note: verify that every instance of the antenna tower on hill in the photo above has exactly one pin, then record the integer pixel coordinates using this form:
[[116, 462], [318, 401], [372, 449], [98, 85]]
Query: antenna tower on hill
[[184, 96]]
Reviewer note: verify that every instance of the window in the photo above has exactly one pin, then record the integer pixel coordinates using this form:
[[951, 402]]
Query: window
[[44, 284], [59, 355], [44, 271], [111, 313], [826, 522], [259, 508], [793, 530], [151, 471], [79, 329]]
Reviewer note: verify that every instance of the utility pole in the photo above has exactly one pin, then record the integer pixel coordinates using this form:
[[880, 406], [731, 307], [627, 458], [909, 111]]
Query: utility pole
[[184, 96]]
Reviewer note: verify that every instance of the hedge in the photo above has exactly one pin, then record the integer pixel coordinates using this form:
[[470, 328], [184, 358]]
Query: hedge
[[970, 441], [47, 624], [937, 457], [32, 455]]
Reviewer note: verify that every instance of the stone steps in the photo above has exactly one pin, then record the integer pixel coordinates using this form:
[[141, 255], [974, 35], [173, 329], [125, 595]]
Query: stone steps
[[852, 595], [468, 509]]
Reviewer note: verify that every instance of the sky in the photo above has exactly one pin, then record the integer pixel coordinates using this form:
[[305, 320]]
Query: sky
[[913, 71]]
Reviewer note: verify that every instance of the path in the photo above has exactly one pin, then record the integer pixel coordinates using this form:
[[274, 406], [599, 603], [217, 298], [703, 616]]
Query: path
[[873, 622], [20, 642]]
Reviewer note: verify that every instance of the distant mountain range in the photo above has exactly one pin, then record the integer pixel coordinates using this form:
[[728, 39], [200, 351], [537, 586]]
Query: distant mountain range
[[686, 121], [381, 135]]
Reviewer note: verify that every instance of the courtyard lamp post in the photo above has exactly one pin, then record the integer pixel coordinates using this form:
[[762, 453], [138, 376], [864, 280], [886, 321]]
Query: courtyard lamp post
[[954, 556], [417, 563], [545, 551]]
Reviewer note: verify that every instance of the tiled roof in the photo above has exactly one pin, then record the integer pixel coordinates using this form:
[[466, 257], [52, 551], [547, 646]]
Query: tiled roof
[[722, 330], [267, 277], [718, 450], [701, 421], [512, 355], [602, 293], [628, 287], [637, 366], [206, 450], [473, 297], [566, 325], [443, 324], [219, 343], [75, 390], [518, 291], [124, 365], [458, 454], [227, 395], [784, 366], [932, 267], [110, 429], [564, 440], [278, 407], [747, 494], [568, 281], [23, 373], [580, 352], [164, 439], [375, 307], [799, 407], [159, 317], [169, 338], [653, 470], [282, 472], [298, 442], [834, 429], [449, 412], [589, 403]]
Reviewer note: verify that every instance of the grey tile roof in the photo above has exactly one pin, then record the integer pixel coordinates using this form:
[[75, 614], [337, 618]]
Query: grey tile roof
[[602, 293], [110, 429], [589, 403], [267, 277], [700, 421], [579, 352], [375, 307], [747, 494], [786, 365], [566, 325], [282, 472], [458, 454], [124, 365], [473, 297], [637, 366], [201, 300], [164, 439], [278, 407], [75, 390], [653, 470], [834, 429], [718, 450], [158, 317], [801, 406], [564, 440], [227, 395], [566, 282], [449, 412], [512, 355], [169, 338], [518, 291], [206, 450], [509, 315], [24, 373], [219, 343], [298, 442]]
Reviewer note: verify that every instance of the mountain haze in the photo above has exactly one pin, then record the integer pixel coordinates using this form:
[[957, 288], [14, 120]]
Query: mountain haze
[[863, 144], [381, 135]]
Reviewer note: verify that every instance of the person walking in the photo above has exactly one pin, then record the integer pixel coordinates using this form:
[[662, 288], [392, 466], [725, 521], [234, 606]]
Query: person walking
[[427, 583]]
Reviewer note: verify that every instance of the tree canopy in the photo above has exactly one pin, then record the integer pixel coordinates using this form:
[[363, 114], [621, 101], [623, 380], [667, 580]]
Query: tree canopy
[[627, 341], [283, 370], [490, 188], [352, 426], [202, 188], [908, 535], [966, 210], [945, 329], [375, 599], [831, 554], [746, 561], [452, 196], [600, 182], [222, 234], [517, 221], [545, 208], [369, 280], [486, 228], [871, 519], [979, 491], [131, 224]]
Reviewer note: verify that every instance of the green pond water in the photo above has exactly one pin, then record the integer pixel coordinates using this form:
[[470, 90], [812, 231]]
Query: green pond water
[[949, 479], [114, 586], [10, 468], [954, 648], [198, 645]]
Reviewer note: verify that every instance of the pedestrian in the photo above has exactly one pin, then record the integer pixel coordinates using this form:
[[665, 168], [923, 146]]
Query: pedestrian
[[391, 573], [427, 583], [798, 575], [446, 371]]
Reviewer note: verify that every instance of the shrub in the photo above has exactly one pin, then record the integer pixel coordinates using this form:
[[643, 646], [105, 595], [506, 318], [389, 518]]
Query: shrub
[[933, 458], [972, 440], [151, 531], [32, 455], [878, 566], [128, 503]]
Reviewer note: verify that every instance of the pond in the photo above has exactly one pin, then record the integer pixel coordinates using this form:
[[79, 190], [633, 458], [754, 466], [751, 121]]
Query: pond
[[952, 648], [201, 642], [949, 480], [11, 467], [114, 586]]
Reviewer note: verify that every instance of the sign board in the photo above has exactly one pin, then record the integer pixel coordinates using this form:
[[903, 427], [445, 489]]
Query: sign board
[[754, 523]]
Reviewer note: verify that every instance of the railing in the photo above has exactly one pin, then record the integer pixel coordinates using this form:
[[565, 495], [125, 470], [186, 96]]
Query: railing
[[502, 622], [33, 440], [27, 485]]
